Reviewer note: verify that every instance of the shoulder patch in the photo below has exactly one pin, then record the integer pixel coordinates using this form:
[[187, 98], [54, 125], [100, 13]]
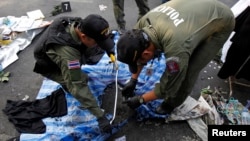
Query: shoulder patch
[[75, 64], [172, 64]]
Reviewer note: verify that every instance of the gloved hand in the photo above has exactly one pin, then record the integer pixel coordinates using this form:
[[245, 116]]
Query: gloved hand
[[134, 102], [128, 89], [110, 51], [104, 124], [164, 108]]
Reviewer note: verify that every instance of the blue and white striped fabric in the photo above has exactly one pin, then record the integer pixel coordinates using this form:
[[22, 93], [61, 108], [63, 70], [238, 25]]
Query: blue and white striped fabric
[[80, 124]]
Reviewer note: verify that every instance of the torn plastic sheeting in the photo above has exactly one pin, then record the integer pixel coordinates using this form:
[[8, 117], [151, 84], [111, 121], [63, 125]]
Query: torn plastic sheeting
[[8, 54]]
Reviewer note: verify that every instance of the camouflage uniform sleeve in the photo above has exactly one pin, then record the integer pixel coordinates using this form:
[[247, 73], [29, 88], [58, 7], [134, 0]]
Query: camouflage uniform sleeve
[[174, 75], [68, 59]]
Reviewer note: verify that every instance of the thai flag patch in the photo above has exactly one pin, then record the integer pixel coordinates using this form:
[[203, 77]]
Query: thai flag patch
[[75, 64]]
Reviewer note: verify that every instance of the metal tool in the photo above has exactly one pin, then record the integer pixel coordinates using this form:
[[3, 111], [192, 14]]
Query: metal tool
[[113, 60]]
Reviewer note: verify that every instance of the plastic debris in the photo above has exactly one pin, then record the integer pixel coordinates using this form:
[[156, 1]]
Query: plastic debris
[[26, 97]]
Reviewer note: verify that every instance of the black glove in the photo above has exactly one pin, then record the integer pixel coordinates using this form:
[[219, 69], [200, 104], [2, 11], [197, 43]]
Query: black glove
[[104, 125], [110, 49], [128, 89], [134, 102], [164, 108]]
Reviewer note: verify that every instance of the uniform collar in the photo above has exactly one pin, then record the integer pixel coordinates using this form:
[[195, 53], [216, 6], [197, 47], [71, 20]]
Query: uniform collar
[[74, 34], [152, 33]]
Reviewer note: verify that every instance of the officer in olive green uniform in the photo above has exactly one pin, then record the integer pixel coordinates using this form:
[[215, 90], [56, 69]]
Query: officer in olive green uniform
[[118, 7], [64, 46], [189, 33]]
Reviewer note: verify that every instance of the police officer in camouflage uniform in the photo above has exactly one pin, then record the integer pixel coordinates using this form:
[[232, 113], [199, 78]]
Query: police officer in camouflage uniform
[[64, 46], [188, 37], [118, 7]]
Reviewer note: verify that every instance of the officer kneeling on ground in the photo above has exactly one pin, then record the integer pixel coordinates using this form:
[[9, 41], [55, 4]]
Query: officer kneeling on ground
[[189, 38], [64, 46]]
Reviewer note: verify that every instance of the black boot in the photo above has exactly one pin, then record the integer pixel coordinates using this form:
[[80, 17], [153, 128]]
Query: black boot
[[164, 108]]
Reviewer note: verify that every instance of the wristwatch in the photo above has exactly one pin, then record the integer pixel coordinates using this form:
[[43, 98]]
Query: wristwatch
[[141, 100]]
